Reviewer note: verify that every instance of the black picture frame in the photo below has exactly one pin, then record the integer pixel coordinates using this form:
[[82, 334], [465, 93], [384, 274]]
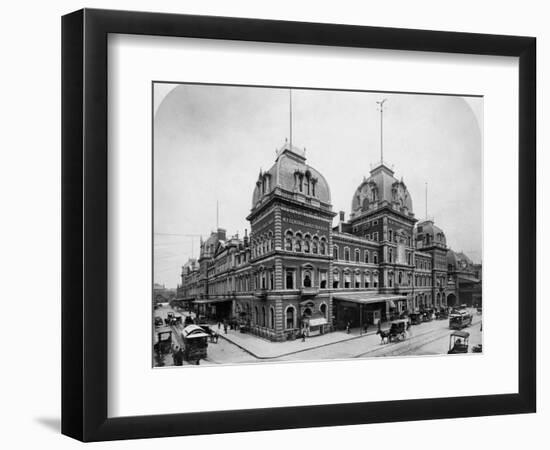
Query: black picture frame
[[84, 224]]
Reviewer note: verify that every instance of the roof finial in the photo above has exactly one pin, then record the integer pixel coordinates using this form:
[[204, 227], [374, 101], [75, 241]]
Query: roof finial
[[381, 106], [290, 115]]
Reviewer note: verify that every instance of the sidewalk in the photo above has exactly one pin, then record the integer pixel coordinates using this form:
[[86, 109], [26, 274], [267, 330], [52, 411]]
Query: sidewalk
[[264, 349]]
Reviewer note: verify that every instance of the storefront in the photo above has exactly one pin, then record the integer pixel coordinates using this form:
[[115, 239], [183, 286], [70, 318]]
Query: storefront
[[316, 324], [360, 309]]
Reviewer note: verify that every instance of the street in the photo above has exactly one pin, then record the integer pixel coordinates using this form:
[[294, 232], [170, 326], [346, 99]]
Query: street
[[428, 338]]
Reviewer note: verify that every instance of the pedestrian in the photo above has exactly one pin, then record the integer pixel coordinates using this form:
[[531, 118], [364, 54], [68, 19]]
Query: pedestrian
[[225, 328], [303, 335], [366, 328], [348, 327], [177, 356], [219, 325]]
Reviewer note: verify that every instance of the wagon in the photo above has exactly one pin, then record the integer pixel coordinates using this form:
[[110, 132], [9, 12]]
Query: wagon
[[458, 342], [398, 329], [195, 343], [416, 318], [164, 341]]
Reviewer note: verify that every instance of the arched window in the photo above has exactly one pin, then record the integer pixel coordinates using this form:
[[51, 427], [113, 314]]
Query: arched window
[[357, 280], [307, 279], [335, 251], [347, 280], [263, 316], [390, 279], [324, 310], [271, 318], [390, 254], [289, 324], [322, 279], [307, 243], [367, 279], [323, 248], [315, 245], [298, 243], [400, 277], [357, 256], [366, 256], [256, 315], [335, 279], [375, 258], [288, 241], [390, 235], [375, 279]]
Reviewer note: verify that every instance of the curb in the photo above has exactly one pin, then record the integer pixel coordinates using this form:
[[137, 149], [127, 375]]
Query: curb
[[295, 351]]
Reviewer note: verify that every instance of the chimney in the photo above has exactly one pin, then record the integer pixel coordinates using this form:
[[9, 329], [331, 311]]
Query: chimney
[[342, 219], [245, 239]]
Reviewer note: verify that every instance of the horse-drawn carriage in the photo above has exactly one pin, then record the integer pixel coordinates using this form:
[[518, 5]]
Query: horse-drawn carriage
[[164, 341], [415, 318], [195, 343], [172, 319], [398, 329], [427, 314], [458, 342]]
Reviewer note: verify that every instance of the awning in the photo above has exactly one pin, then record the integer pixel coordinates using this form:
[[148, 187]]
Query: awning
[[204, 301], [318, 321], [367, 297]]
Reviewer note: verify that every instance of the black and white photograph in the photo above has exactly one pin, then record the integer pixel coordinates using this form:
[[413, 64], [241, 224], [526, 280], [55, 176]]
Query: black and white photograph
[[296, 224]]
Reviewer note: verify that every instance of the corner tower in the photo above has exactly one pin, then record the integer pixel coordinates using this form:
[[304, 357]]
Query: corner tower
[[382, 211], [291, 224]]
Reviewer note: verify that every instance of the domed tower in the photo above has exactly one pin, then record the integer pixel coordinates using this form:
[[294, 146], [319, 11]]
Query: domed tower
[[382, 212], [380, 190], [290, 239]]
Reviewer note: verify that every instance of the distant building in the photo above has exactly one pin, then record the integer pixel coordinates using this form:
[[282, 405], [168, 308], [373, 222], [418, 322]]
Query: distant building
[[162, 294], [296, 271]]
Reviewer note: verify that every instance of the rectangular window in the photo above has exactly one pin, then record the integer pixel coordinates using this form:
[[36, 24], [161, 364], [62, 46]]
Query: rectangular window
[[347, 281], [290, 279], [323, 279]]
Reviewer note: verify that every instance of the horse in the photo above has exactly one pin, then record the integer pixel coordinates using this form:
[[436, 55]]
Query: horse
[[384, 335]]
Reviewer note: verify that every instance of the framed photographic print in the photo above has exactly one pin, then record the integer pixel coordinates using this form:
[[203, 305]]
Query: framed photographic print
[[293, 225]]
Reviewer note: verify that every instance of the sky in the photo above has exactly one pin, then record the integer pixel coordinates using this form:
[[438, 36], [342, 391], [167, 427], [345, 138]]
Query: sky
[[211, 141]]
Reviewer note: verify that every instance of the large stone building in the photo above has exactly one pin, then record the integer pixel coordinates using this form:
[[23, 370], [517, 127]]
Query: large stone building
[[297, 271]]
